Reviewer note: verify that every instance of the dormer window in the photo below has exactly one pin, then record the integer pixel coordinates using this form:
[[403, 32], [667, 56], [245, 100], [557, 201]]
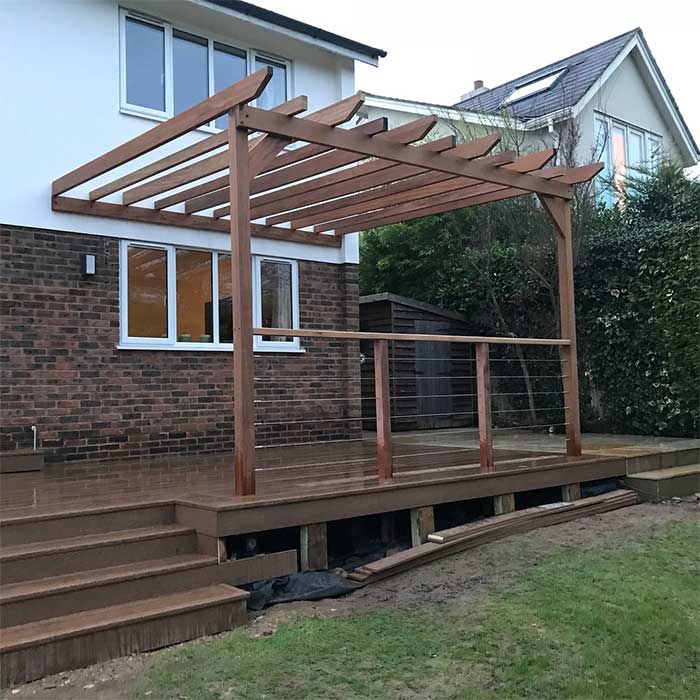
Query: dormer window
[[533, 87], [166, 70]]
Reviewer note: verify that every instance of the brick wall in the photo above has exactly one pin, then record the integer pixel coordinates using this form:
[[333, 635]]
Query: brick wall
[[61, 370]]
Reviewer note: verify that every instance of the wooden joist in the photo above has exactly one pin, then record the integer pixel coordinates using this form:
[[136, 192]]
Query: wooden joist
[[457, 539], [443, 191], [243, 91], [329, 116], [343, 181], [210, 143], [376, 129], [302, 130]]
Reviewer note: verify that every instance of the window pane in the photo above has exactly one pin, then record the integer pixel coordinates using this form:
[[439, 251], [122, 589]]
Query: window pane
[[229, 67], [145, 65], [654, 152], [636, 148], [617, 142], [193, 296], [276, 297], [225, 298], [190, 70], [147, 285], [602, 153], [276, 91]]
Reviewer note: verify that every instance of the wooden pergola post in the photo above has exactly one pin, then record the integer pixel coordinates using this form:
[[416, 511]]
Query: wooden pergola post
[[241, 308], [559, 211]]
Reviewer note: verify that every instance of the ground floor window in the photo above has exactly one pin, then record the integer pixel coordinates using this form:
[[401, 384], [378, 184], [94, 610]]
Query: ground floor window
[[181, 298]]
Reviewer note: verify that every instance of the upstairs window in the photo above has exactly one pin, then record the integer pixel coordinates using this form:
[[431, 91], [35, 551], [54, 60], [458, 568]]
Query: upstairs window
[[626, 151], [145, 64], [276, 90], [166, 70]]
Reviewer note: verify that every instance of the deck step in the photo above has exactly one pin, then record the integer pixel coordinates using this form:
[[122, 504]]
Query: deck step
[[29, 601], [41, 648], [61, 523], [658, 484], [49, 558], [23, 460]]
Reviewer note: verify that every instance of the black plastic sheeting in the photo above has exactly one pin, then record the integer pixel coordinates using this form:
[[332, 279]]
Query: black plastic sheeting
[[306, 585]]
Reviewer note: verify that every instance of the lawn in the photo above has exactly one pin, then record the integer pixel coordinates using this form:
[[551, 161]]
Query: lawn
[[599, 623]]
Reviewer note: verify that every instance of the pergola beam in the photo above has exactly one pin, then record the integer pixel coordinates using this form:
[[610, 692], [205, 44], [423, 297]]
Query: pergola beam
[[322, 162], [483, 194], [243, 91], [299, 129], [406, 133], [206, 145], [331, 116], [386, 185], [347, 180], [146, 215], [421, 194], [220, 184]]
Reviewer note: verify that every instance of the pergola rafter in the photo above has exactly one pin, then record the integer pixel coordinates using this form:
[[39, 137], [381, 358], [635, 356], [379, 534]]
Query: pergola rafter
[[335, 182]]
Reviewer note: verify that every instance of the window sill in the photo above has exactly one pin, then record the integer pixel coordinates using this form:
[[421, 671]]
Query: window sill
[[206, 347], [133, 112]]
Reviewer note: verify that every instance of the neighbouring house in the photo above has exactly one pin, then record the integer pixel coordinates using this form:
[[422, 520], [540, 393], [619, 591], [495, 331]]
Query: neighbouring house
[[614, 93], [115, 333]]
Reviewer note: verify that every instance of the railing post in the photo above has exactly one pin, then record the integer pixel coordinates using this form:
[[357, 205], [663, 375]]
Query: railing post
[[483, 395], [385, 457]]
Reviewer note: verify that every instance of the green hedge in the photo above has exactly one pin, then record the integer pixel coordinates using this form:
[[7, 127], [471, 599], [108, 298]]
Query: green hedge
[[637, 295]]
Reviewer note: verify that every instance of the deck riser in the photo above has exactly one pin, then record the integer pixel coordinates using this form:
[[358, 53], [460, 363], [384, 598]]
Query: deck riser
[[57, 604], [677, 486], [28, 664], [663, 460], [44, 529], [58, 563]]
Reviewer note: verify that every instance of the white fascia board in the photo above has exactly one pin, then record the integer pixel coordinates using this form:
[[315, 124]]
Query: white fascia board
[[298, 36], [684, 138], [447, 113]]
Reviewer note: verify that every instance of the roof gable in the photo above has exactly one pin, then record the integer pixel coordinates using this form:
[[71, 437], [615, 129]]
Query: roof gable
[[580, 73]]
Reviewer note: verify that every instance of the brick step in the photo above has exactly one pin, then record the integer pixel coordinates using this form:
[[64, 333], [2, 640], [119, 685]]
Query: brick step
[[30, 601], [37, 649], [39, 560], [668, 482], [60, 523]]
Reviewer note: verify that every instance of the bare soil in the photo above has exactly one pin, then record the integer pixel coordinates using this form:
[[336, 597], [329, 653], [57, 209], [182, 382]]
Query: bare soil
[[458, 578]]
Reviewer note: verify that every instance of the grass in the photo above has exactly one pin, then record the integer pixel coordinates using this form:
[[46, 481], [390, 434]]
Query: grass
[[602, 623]]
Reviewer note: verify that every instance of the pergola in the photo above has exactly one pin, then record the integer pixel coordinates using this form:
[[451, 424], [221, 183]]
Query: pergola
[[340, 181]]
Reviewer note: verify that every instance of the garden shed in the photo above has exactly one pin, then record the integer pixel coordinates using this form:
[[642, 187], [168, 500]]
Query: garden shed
[[432, 383]]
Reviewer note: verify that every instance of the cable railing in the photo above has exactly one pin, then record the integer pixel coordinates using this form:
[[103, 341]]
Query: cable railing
[[477, 388]]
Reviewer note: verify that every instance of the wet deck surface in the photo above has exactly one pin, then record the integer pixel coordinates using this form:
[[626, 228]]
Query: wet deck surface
[[329, 467], [295, 471]]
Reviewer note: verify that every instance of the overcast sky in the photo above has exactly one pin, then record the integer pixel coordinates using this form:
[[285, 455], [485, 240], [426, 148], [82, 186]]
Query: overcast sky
[[437, 49]]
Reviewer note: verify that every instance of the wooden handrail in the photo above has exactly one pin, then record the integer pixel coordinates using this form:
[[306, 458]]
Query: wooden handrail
[[362, 335]]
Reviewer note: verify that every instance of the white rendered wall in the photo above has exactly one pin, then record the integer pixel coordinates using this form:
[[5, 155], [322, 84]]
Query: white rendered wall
[[60, 79]]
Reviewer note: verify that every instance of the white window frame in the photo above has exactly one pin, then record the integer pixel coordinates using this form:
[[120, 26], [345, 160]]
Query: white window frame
[[259, 343], [137, 110], [649, 138], [127, 342], [254, 54]]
